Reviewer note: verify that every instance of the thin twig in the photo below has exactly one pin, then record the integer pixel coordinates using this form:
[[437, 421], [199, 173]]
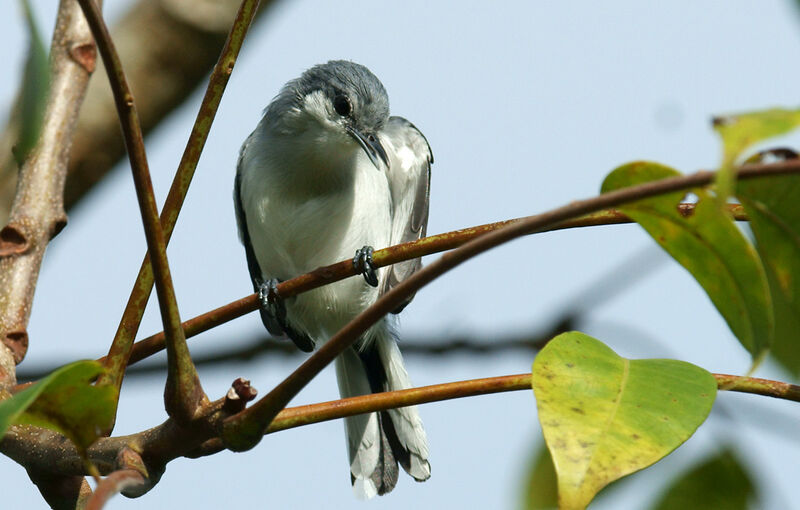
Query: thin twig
[[183, 395], [387, 256], [314, 413], [244, 430], [293, 417], [114, 483], [120, 351]]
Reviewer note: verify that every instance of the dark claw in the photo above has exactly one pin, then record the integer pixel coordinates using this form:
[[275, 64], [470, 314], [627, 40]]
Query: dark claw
[[271, 301], [362, 262]]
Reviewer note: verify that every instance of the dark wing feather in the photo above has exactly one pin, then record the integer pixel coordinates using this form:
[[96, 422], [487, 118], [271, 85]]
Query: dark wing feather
[[409, 175], [274, 325]]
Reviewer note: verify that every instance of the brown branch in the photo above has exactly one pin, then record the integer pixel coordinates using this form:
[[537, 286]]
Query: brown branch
[[130, 478], [315, 413], [114, 483], [169, 441], [299, 416], [70, 492], [38, 212], [244, 430], [183, 395], [120, 351], [169, 48], [392, 255], [325, 411]]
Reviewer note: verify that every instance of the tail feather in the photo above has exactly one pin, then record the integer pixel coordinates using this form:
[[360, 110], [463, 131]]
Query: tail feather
[[378, 441], [373, 468], [406, 421]]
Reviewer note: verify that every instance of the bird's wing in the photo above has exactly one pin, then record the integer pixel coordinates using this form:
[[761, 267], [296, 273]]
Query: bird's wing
[[241, 223], [273, 324], [409, 176]]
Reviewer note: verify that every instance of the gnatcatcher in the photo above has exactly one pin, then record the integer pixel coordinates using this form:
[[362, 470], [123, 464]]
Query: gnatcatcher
[[327, 170]]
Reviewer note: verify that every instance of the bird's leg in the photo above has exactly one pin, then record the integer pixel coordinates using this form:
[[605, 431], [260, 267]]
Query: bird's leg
[[270, 300], [362, 262]]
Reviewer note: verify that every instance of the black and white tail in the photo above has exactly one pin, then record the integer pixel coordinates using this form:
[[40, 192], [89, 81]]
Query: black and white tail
[[377, 442]]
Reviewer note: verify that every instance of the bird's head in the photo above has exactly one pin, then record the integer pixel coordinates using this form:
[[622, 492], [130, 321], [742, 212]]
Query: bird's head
[[340, 104]]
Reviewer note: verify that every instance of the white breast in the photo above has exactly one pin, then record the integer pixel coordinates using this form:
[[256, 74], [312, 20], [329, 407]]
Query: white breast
[[304, 212]]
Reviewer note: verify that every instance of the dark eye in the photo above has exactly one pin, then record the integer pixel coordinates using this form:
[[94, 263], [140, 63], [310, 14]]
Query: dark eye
[[342, 105]]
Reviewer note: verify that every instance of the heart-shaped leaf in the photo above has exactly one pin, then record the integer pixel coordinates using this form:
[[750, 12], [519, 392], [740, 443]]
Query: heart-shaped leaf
[[65, 401], [604, 416], [710, 246]]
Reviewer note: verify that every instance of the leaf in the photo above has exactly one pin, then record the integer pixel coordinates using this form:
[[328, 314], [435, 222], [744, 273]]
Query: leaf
[[719, 482], [65, 401], [541, 489], [35, 85], [604, 416], [773, 206], [742, 131], [708, 245]]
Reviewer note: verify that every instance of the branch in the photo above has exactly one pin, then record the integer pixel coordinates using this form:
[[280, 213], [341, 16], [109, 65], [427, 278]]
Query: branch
[[183, 395], [131, 476], [315, 413], [170, 48], [114, 483], [244, 430], [38, 212], [299, 416], [120, 351], [168, 441], [385, 257]]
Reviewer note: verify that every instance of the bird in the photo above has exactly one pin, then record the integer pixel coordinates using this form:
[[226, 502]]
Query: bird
[[326, 174]]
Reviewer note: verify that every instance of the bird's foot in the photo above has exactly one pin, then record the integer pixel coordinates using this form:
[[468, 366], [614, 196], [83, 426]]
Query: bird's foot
[[362, 262], [270, 301]]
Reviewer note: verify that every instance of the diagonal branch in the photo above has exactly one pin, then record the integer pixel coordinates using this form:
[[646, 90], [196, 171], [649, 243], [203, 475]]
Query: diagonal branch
[[183, 394], [120, 351], [385, 257], [244, 430]]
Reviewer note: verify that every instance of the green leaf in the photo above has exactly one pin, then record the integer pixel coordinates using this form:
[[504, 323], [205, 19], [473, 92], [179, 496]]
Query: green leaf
[[773, 206], [604, 416], [35, 85], [708, 245], [541, 488], [742, 131], [719, 482], [65, 401]]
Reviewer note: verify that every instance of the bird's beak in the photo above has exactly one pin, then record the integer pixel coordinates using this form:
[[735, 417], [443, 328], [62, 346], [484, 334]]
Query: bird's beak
[[372, 146]]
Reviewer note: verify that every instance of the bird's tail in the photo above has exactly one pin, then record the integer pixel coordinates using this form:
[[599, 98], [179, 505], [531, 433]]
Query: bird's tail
[[376, 442]]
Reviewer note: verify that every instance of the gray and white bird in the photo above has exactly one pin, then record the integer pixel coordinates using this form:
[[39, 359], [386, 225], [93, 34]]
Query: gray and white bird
[[327, 171]]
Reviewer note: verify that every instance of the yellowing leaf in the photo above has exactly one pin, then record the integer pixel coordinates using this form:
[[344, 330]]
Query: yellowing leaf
[[541, 490], [708, 245], [65, 401], [742, 131], [773, 206], [604, 416]]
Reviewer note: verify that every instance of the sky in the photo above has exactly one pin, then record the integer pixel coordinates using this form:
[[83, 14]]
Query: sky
[[527, 106]]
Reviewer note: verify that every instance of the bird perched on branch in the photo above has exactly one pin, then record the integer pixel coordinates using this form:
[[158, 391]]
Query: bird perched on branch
[[326, 173]]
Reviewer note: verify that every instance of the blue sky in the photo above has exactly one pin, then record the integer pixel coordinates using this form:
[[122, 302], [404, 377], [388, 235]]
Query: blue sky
[[527, 105]]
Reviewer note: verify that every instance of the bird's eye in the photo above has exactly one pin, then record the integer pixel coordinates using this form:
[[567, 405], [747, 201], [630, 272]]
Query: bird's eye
[[342, 105]]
